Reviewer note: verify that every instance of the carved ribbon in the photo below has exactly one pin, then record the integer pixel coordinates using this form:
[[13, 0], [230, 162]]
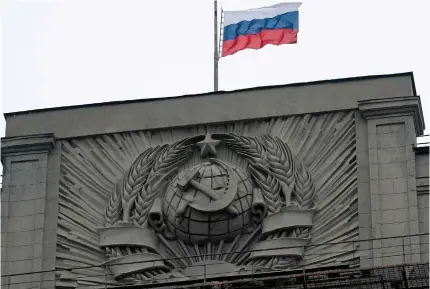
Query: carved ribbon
[[293, 247], [135, 263], [287, 219], [127, 235]]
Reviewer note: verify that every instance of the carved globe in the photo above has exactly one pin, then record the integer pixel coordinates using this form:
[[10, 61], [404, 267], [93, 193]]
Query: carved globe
[[195, 226]]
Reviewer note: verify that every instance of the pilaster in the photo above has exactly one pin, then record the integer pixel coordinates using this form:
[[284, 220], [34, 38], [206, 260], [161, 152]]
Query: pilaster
[[392, 126], [29, 207], [422, 171]]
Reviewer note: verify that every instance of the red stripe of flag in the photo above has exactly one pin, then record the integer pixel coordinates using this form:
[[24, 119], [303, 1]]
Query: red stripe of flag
[[259, 40]]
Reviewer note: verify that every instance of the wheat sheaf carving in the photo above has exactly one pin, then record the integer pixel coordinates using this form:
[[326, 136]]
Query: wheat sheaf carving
[[272, 167], [146, 176], [91, 210], [114, 209], [304, 192], [269, 185], [163, 168], [135, 178], [248, 147], [304, 195], [281, 164], [252, 150], [136, 191]]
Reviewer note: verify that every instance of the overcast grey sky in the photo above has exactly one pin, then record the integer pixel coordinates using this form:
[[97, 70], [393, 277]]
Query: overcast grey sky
[[67, 52]]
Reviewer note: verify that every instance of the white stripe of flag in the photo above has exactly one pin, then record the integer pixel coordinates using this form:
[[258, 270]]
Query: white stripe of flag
[[233, 17]]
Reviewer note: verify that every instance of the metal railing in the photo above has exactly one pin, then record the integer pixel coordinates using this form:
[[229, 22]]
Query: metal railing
[[342, 274]]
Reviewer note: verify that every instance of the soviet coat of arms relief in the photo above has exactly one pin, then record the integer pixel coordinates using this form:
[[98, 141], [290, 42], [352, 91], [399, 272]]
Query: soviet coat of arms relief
[[249, 209]]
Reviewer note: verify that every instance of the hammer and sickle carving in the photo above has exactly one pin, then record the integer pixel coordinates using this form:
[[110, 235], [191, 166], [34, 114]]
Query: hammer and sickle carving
[[219, 201]]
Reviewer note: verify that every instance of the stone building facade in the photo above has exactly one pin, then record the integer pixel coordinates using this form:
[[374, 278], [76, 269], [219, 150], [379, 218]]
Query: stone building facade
[[258, 180]]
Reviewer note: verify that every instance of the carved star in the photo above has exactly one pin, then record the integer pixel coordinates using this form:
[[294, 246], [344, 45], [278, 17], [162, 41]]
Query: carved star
[[207, 146]]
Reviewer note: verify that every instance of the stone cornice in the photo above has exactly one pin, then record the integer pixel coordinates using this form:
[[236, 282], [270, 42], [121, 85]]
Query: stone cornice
[[394, 106], [213, 108], [27, 144]]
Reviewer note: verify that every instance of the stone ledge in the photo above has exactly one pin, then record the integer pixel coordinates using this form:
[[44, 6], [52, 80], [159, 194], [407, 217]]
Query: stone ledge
[[394, 106], [422, 149], [212, 108], [27, 144]]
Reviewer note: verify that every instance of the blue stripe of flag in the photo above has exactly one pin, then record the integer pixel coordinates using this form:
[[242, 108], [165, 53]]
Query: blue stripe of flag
[[283, 21]]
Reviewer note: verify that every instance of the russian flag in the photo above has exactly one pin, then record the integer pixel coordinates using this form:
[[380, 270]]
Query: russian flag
[[255, 28]]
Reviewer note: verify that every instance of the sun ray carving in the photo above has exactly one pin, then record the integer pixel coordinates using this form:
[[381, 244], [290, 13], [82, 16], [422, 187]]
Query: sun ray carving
[[289, 165]]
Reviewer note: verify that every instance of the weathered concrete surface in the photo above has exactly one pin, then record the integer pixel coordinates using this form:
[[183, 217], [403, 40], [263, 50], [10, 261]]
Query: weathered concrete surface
[[29, 211], [389, 205], [60, 166], [422, 176], [313, 97]]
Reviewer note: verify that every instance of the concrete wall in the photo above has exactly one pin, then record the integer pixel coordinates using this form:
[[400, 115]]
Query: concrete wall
[[422, 173], [392, 178], [386, 137], [285, 100], [29, 212]]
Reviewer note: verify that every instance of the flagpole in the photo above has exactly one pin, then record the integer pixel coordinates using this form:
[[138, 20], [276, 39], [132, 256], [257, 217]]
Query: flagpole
[[216, 43]]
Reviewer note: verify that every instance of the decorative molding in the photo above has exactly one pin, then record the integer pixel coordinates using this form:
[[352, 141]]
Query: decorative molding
[[136, 263], [125, 234], [230, 106], [114, 184], [27, 144], [394, 106], [287, 218], [210, 206]]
